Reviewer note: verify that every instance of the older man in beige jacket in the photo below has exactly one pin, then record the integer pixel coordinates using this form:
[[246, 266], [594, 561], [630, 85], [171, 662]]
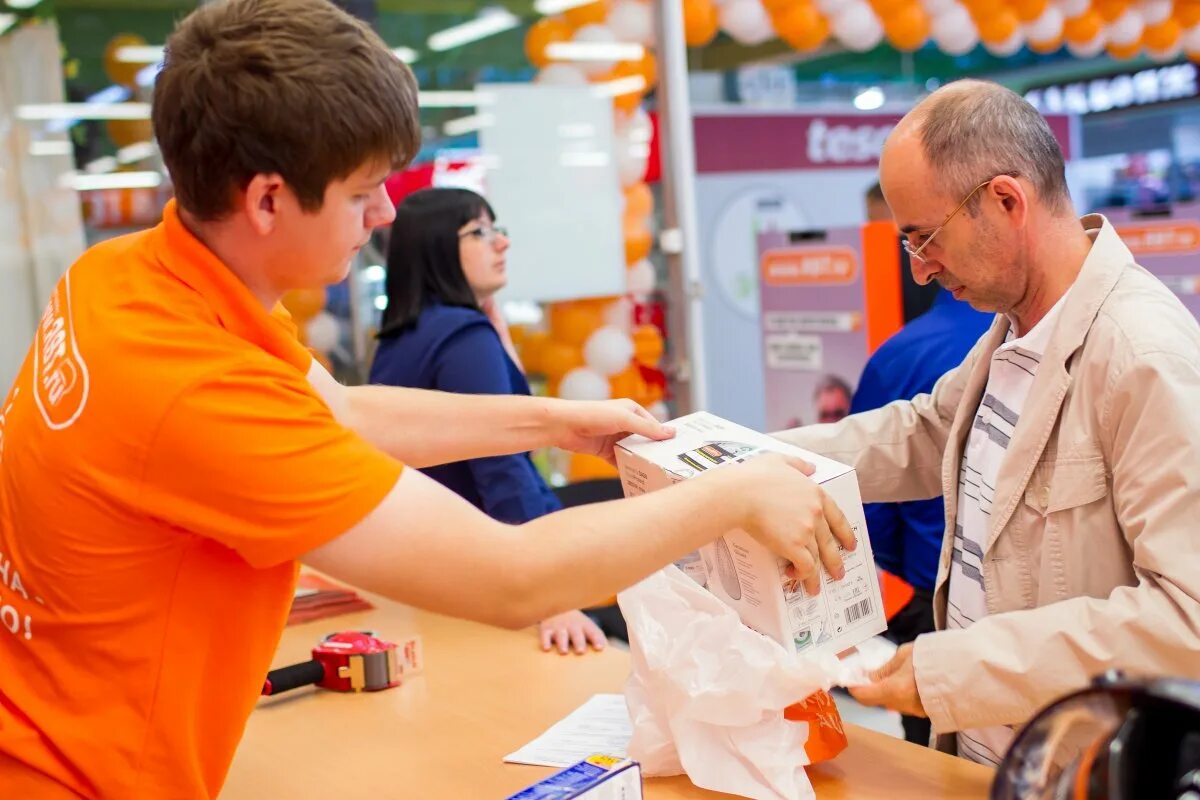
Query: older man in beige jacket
[[1067, 445]]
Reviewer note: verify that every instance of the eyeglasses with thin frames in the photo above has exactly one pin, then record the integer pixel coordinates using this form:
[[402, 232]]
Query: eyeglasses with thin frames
[[916, 252], [486, 234]]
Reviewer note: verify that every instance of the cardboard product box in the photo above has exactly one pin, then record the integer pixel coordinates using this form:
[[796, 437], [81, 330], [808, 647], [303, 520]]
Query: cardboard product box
[[597, 777], [744, 573]]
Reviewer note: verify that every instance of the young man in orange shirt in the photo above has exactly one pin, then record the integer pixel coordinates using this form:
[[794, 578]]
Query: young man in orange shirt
[[170, 452]]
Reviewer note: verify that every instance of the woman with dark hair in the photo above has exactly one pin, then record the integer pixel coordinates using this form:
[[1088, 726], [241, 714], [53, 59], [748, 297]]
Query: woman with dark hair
[[441, 330]]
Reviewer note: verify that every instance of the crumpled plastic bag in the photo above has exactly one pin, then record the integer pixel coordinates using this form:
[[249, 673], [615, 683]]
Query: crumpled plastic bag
[[712, 698]]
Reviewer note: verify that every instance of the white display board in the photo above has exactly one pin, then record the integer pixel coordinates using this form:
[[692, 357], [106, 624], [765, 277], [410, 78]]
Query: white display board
[[552, 180]]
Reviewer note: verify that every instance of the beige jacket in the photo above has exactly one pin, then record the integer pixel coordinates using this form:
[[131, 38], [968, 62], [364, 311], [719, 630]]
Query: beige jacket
[[1093, 559]]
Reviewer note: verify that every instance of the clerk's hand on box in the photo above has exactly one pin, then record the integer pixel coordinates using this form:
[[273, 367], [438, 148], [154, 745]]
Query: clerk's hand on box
[[792, 516], [571, 629], [893, 686], [594, 427]]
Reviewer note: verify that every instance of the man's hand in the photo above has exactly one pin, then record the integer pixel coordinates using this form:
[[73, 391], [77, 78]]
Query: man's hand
[[570, 629], [894, 686], [594, 428]]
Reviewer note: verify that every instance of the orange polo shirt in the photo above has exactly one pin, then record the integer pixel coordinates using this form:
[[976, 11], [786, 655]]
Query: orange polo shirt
[[163, 463]]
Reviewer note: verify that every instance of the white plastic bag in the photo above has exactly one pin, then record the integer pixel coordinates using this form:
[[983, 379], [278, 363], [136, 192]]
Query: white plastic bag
[[707, 694]]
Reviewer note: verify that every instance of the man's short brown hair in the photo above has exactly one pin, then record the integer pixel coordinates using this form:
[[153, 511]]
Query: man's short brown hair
[[294, 87]]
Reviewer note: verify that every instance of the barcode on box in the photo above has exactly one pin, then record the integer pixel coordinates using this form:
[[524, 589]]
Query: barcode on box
[[857, 611]]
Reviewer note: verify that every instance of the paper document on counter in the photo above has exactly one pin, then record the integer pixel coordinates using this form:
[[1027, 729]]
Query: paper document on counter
[[601, 725]]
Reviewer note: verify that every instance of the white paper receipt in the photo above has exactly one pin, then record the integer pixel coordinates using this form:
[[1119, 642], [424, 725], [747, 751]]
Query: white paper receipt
[[601, 725]]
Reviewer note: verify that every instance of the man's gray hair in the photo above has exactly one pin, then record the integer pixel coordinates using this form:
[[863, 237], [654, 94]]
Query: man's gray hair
[[972, 131]]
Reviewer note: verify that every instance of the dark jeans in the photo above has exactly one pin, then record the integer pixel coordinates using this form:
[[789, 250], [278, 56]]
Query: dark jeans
[[909, 623]]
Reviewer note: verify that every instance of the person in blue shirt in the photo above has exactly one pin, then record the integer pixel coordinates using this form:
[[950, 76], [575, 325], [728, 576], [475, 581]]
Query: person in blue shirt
[[441, 330], [907, 537]]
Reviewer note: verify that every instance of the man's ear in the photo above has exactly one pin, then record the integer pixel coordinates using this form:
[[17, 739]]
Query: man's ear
[[261, 201]]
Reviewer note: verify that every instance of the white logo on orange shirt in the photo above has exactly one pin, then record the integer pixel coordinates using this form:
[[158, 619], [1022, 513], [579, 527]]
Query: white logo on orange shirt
[[4, 418], [60, 376]]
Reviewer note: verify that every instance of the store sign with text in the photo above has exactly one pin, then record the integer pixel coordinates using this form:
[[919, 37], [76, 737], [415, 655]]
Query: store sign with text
[[1114, 92]]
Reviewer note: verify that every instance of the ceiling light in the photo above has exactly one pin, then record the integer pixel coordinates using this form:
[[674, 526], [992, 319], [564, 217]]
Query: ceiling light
[[454, 99], [468, 124], [7, 21], [138, 151], [114, 180], [74, 111], [405, 54], [100, 165], [489, 22], [141, 54], [60, 147], [21, 3], [869, 99], [629, 85], [595, 51], [549, 7]]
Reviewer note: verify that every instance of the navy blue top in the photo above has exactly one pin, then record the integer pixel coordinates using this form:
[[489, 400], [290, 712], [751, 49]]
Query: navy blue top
[[907, 537], [457, 350]]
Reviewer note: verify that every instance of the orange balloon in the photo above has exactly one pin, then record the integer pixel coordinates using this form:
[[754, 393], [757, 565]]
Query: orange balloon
[[531, 348], [983, 9], [638, 240], [1046, 47], [589, 468], [573, 322], [120, 72], [1110, 10], [627, 383], [1084, 28], [559, 358], [774, 7], [1187, 12], [652, 395], [647, 345], [907, 28], [304, 304], [1124, 52], [1029, 10], [802, 26], [588, 14], [629, 101], [542, 34], [885, 8], [639, 201], [1162, 36], [999, 27], [699, 22]]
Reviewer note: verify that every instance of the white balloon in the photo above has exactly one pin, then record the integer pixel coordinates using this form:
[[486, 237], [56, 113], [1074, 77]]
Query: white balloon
[[936, 7], [831, 7], [640, 279], [1191, 39], [1009, 46], [660, 411], [1127, 28], [954, 32], [632, 21], [746, 21], [560, 73], [632, 160], [1170, 54], [1046, 28], [595, 34], [619, 314], [323, 332], [1154, 11], [582, 383], [1088, 49], [1074, 8], [857, 27], [608, 350]]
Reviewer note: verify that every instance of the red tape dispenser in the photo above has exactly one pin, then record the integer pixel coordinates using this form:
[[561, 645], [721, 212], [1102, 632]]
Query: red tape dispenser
[[351, 661]]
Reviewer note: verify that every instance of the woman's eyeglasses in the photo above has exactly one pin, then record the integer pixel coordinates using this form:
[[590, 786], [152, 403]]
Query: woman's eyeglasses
[[486, 234]]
